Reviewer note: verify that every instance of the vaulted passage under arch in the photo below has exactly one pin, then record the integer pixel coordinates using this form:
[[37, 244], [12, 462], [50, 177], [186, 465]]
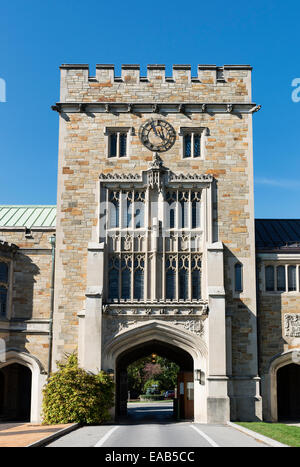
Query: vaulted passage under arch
[[288, 392], [182, 358], [15, 392]]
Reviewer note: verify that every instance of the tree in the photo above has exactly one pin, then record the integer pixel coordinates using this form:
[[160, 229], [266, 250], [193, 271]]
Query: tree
[[164, 371], [168, 375], [151, 369], [135, 374]]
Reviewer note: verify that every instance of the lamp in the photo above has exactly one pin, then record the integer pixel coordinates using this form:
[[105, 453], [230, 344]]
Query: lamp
[[153, 356], [199, 376]]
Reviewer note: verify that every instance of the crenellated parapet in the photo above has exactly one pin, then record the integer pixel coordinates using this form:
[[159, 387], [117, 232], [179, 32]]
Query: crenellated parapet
[[228, 83]]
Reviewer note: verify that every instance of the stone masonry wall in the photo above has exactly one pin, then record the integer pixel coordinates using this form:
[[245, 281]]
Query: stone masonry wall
[[273, 338], [82, 157], [31, 293]]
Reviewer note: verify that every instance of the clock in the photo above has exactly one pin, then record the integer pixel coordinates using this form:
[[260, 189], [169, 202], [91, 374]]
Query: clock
[[157, 135]]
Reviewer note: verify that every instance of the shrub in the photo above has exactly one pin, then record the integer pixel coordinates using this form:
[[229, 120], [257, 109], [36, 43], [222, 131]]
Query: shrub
[[151, 397], [152, 386], [73, 395]]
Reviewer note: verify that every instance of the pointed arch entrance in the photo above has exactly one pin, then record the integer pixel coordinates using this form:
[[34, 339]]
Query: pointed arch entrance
[[282, 391], [15, 392], [22, 378], [182, 358], [187, 349], [288, 392]]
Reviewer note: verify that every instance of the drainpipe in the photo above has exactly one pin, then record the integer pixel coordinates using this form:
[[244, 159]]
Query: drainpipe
[[52, 241]]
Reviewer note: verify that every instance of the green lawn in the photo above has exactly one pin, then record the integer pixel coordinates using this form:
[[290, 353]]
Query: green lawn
[[285, 434]]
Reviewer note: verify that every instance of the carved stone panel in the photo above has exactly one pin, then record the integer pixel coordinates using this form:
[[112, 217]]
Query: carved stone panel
[[115, 325], [292, 324]]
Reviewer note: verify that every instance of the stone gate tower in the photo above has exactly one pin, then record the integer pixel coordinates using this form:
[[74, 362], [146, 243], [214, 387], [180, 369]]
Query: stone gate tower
[[155, 228]]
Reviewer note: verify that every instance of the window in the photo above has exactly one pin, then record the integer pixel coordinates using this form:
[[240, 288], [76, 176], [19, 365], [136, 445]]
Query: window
[[193, 139], [171, 267], [188, 270], [281, 286], [126, 277], [269, 277], [117, 145], [3, 288], [291, 278], [184, 209], [238, 277], [282, 278], [118, 142], [154, 251], [191, 144], [126, 209]]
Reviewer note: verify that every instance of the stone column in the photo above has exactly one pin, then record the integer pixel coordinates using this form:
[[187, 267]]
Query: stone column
[[218, 410], [90, 319]]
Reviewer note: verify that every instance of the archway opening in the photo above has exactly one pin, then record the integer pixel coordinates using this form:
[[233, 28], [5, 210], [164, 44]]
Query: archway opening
[[15, 392], [288, 392], [177, 405]]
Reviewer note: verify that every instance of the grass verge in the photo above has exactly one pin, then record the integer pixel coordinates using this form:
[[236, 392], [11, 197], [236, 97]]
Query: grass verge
[[281, 432]]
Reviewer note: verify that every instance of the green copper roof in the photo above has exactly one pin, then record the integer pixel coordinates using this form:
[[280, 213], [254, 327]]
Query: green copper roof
[[27, 216]]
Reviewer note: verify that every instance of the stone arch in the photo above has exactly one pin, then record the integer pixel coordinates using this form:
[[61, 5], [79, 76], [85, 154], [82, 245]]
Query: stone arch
[[38, 378], [167, 338], [155, 330], [278, 362]]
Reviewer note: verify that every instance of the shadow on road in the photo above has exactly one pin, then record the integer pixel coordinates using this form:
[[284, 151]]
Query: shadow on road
[[145, 413]]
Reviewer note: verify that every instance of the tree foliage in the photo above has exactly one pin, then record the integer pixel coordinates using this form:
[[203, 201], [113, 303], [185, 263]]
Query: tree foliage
[[163, 371], [73, 395]]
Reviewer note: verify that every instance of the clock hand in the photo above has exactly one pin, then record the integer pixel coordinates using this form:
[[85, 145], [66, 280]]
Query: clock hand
[[153, 127], [161, 134]]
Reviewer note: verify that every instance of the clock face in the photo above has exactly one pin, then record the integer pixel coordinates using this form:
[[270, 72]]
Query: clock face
[[157, 135]]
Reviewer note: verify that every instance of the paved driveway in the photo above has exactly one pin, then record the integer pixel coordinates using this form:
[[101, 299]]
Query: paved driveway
[[152, 425]]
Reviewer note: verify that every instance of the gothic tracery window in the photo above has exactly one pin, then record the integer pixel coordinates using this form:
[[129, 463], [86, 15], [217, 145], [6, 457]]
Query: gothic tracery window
[[150, 259]]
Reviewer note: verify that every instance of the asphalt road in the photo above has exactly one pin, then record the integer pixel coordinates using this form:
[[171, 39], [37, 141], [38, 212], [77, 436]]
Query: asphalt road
[[152, 425]]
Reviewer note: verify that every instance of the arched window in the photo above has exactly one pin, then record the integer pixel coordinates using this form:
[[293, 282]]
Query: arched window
[[184, 209], [113, 276], [196, 277], [183, 278], [139, 265], [171, 278], [114, 210], [126, 278], [238, 277]]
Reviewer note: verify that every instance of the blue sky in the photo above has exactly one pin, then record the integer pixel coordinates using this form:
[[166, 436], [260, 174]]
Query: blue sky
[[37, 36]]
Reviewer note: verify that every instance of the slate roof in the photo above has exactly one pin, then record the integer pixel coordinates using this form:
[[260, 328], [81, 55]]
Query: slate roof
[[27, 216], [274, 234]]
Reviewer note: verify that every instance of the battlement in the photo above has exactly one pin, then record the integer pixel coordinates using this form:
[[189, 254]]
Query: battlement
[[227, 83], [131, 73]]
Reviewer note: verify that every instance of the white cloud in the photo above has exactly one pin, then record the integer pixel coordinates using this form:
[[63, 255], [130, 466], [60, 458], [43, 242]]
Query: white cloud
[[280, 183]]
